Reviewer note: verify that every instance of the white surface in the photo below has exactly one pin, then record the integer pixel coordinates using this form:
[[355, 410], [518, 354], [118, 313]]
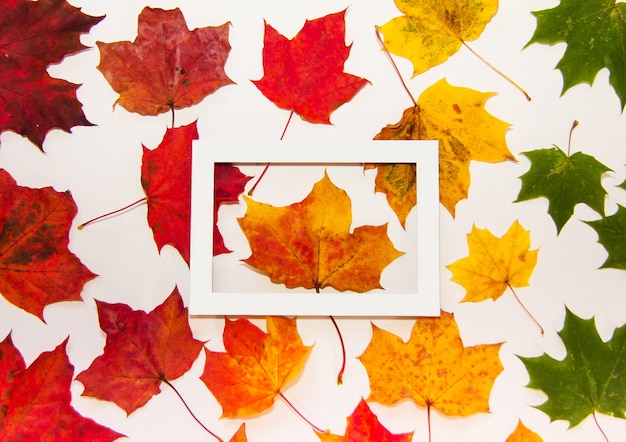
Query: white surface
[[101, 167], [410, 283]]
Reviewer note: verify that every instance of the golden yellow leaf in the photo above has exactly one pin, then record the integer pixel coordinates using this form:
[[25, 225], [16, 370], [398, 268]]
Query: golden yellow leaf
[[398, 183], [309, 244], [523, 434], [433, 368], [493, 264], [455, 116], [430, 31]]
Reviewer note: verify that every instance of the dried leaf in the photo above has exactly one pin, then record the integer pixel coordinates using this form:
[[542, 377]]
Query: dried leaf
[[229, 184], [523, 434], [398, 183]]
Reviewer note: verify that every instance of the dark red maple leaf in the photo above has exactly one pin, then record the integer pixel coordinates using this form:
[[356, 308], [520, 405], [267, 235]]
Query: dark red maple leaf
[[166, 179], [36, 266], [34, 35], [167, 67], [305, 74], [229, 184], [35, 401], [142, 350]]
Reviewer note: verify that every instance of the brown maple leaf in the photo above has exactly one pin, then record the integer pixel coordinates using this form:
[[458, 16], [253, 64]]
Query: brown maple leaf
[[433, 368], [305, 74], [363, 425], [167, 67], [35, 401], [308, 244], [36, 266], [466, 131], [142, 350], [256, 366], [34, 35]]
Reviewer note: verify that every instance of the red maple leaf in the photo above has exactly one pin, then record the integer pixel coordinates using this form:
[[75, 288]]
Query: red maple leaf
[[305, 74], [166, 179], [35, 402], [229, 184], [34, 35], [142, 350], [363, 425], [167, 67], [36, 267]]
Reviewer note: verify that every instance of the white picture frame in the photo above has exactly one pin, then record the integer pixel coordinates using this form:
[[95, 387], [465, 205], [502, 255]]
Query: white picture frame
[[422, 300]]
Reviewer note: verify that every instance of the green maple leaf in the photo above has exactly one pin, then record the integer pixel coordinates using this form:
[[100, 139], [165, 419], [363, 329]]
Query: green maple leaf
[[595, 33], [612, 235], [591, 378], [565, 181]]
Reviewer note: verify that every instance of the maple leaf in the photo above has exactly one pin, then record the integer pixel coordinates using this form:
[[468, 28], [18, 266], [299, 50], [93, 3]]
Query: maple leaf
[[493, 264], [308, 244], [141, 351], [34, 35], [595, 37], [36, 266], [565, 180], [523, 434], [589, 379], [433, 368], [305, 74], [456, 117], [240, 435], [611, 232], [166, 179], [363, 425], [35, 401], [433, 30], [256, 365], [229, 184], [398, 183], [168, 66]]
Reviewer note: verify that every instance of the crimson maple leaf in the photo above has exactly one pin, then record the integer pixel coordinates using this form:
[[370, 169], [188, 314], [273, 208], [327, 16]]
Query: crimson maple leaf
[[229, 184], [142, 350], [36, 266], [167, 67], [35, 401], [166, 179], [34, 35], [305, 74]]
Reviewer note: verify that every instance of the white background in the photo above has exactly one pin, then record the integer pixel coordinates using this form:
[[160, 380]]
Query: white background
[[101, 167]]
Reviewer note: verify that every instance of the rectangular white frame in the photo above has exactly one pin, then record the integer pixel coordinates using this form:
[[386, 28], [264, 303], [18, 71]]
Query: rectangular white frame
[[425, 302]]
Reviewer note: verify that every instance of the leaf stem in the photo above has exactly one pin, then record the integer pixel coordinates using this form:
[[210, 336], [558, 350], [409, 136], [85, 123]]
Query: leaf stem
[[395, 67], [251, 191], [430, 433], [189, 410], [595, 418], [496, 70], [343, 352], [140, 200], [315, 427], [569, 141], [172, 110], [525, 309]]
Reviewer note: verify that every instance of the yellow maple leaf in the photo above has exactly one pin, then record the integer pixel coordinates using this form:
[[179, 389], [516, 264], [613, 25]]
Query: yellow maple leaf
[[309, 244], [433, 368], [398, 183], [493, 264], [523, 434], [433, 30], [455, 116]]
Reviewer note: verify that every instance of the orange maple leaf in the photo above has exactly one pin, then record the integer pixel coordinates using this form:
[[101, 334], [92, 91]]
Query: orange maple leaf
[[523, 434], [493, 264], [433, 368], [455, 116], [256, 366], [309, 244]]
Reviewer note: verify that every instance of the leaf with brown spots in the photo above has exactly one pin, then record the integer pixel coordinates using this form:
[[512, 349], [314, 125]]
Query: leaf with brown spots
[[455, 116], [433, 368]]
